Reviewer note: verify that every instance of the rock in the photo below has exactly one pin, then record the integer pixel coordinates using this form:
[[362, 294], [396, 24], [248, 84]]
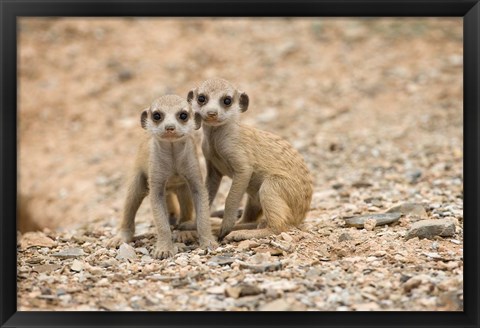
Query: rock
[[412, 283], [46, 268], [285, 236], [249, 290], [371, 306], [261, 262], [277, 305], [413, 175], [431, 228], [361, 184], [344, 236], [108, 305], [233, 292], [221, 260], [380, 219], [142, 250], [182, 260], [76, 266], [282, 246], [279, 285], [257, 268], [246, 244], [218, 290], [34, 260], [69, 253], [126, 252], [376, 201], [410, 209], [449, 284], [313, 273], [36, 239], [369, 224], [271, 250]]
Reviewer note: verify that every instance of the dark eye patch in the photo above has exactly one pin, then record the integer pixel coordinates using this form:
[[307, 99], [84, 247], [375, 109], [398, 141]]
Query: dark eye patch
[[157, 116], [183, 116], [201, 99], [227, 101]]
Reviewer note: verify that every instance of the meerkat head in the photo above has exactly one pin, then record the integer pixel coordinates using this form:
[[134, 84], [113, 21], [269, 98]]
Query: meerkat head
[[216, 102], [169, 118]]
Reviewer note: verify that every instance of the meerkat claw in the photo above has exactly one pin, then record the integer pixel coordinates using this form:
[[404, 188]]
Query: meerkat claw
[[186, 237], [162, 252], [208, 244], [120, 238]]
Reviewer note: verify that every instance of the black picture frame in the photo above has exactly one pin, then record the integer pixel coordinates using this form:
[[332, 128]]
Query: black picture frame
[[11, 10]]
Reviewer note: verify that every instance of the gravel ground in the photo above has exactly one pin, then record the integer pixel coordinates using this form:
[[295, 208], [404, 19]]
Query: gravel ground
[[374, 106]]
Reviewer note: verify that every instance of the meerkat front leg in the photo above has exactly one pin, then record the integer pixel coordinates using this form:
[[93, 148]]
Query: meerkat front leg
[[200, 201], [213, 180], [136, 192], [239, 186], [164, 247], [186, 205]]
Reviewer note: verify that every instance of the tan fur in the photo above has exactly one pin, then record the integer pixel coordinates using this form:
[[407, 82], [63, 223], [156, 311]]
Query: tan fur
[[269, 169], [166, 163]]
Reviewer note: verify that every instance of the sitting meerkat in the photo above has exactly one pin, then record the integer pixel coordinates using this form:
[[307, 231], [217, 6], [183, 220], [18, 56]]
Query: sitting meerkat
[[167, 163], [267, 168]]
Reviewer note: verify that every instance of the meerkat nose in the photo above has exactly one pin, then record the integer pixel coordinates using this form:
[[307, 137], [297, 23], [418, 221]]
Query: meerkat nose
[[212, 114], [170, 127]]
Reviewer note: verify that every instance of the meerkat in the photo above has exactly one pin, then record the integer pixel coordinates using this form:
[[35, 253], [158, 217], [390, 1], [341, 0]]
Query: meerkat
[[167, 163], [266, 167]]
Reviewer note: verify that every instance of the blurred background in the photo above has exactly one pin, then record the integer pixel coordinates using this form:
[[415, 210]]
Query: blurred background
[[373, 101]]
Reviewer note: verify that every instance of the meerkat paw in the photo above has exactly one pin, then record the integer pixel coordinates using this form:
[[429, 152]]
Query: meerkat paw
[[225, 229], [189, 225], [120, 238], [186, 237], [236, 236], [207, 243], [163, 251]]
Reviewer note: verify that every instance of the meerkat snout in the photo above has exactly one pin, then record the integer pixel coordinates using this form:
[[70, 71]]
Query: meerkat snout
[[170, 127], [217, 102], [169, 118], [212, 113]]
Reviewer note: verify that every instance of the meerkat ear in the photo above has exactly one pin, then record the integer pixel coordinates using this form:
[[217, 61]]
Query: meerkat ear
[[198, 121], [243, 102], [190, 96], [143, 119]]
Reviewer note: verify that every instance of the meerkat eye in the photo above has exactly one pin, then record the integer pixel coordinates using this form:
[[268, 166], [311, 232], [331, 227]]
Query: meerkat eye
[[227, 101], [183, 116], [157, 116], [201, 99]]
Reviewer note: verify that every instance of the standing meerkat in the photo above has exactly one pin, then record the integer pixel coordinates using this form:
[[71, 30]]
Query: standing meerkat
[[167, 163], [268, 168]]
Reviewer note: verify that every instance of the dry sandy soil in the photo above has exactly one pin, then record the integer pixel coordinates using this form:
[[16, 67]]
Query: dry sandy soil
[[373, 105]]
